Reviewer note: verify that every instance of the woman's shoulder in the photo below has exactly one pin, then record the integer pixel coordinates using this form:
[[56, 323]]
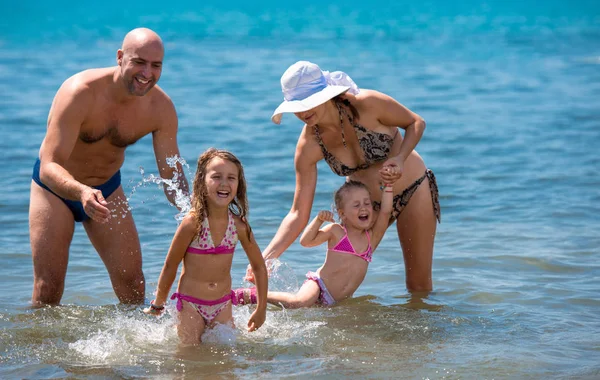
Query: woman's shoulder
[[308, 150], [367, 98]]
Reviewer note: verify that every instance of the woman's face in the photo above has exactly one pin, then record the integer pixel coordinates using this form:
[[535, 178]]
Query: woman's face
[[313, 115]]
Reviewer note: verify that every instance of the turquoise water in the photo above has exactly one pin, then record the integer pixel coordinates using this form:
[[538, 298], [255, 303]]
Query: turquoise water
[[510, 95]]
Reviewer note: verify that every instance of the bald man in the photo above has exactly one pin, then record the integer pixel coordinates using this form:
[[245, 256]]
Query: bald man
[[95, 115]]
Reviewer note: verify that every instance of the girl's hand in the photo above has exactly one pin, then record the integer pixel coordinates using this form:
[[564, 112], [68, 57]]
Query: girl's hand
[[154, 310], [256, 319], [325, 216]]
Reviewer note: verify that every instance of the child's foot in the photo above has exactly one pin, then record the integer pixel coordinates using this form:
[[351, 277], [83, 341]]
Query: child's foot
[[244, 296]]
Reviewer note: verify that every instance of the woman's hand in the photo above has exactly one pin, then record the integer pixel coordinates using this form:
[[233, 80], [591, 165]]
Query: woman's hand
[[249, 274], [392, 170], [270, 263]]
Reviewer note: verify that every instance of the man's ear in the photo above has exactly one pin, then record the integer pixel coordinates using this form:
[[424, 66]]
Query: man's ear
[[119, 57]]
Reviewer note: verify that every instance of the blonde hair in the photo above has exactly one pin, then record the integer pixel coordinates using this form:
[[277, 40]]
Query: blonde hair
[[338, 196]]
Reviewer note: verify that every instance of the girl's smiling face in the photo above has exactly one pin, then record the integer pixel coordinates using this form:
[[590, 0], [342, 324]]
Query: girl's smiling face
[[357, 209], [222, 179]]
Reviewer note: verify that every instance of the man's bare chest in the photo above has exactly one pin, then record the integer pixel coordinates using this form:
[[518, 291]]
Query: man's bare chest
[[119, 129]]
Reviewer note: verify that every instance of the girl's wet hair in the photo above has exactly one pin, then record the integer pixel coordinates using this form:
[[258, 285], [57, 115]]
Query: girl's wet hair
[[338, 196], [239, 204]]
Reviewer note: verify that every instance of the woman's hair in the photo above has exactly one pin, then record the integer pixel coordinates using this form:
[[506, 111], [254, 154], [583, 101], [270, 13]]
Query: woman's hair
[[338, 196], [346, 102], [239, 204]]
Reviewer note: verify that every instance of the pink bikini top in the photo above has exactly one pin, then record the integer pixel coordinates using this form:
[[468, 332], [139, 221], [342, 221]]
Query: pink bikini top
[[345, 246], [204, 245]]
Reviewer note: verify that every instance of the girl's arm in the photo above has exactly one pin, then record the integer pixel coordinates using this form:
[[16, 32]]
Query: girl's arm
[[383, 219], [313, 235], [257, 263], [183, 237]]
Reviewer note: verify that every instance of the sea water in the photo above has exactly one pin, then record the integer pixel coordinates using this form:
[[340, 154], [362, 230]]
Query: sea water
[[510, 92]]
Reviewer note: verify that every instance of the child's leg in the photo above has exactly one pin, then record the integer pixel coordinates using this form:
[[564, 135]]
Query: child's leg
[[305, 297], [191, 325], [225, 317]]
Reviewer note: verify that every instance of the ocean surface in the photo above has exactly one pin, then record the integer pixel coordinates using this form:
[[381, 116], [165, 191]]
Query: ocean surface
[[511, 95]]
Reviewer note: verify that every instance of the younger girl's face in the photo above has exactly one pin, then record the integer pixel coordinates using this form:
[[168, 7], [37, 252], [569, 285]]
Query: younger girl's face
[[222, 179], [357, 210]]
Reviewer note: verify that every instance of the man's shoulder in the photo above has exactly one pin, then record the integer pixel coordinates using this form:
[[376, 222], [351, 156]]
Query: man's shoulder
[[159, 97], [86, 81], [90, 77]]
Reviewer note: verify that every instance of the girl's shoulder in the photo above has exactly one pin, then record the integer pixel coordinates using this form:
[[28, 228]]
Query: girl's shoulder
[[240, 223], [336, 230], [190, 220]]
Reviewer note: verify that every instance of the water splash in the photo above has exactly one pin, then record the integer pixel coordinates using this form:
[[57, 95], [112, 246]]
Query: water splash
[[182, 200], [281, 276]]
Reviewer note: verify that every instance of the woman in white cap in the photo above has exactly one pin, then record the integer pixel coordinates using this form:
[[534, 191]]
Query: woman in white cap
[[356, 132]]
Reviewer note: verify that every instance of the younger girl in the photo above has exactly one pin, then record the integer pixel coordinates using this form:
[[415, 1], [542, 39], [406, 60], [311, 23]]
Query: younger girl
[[350, 246], [205, 241]]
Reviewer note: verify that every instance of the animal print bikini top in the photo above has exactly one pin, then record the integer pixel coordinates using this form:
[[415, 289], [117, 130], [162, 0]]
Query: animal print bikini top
[[376, 146]]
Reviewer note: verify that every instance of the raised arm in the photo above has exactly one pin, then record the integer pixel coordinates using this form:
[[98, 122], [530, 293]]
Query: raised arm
[[313, 235], [182, 239], [306, 181], [383, 218], [164, 140], [257, 263], [67, 114]]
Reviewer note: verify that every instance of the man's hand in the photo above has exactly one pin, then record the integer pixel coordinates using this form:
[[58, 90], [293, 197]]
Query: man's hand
[[94, 205]]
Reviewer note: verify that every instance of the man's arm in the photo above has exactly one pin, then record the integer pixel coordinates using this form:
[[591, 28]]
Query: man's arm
[[67, 114], [166, 151]]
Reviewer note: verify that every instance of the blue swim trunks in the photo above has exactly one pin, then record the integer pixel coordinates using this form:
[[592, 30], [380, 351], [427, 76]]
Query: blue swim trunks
[[76, 207]]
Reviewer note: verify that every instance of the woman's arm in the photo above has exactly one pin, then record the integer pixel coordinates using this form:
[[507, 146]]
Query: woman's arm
[[307, 155], [259, 269], [182, 239], [313, 235], [391, 113]]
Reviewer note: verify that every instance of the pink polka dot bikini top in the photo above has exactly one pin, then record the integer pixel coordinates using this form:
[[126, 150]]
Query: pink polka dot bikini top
[[204, 245], [345, 246]]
